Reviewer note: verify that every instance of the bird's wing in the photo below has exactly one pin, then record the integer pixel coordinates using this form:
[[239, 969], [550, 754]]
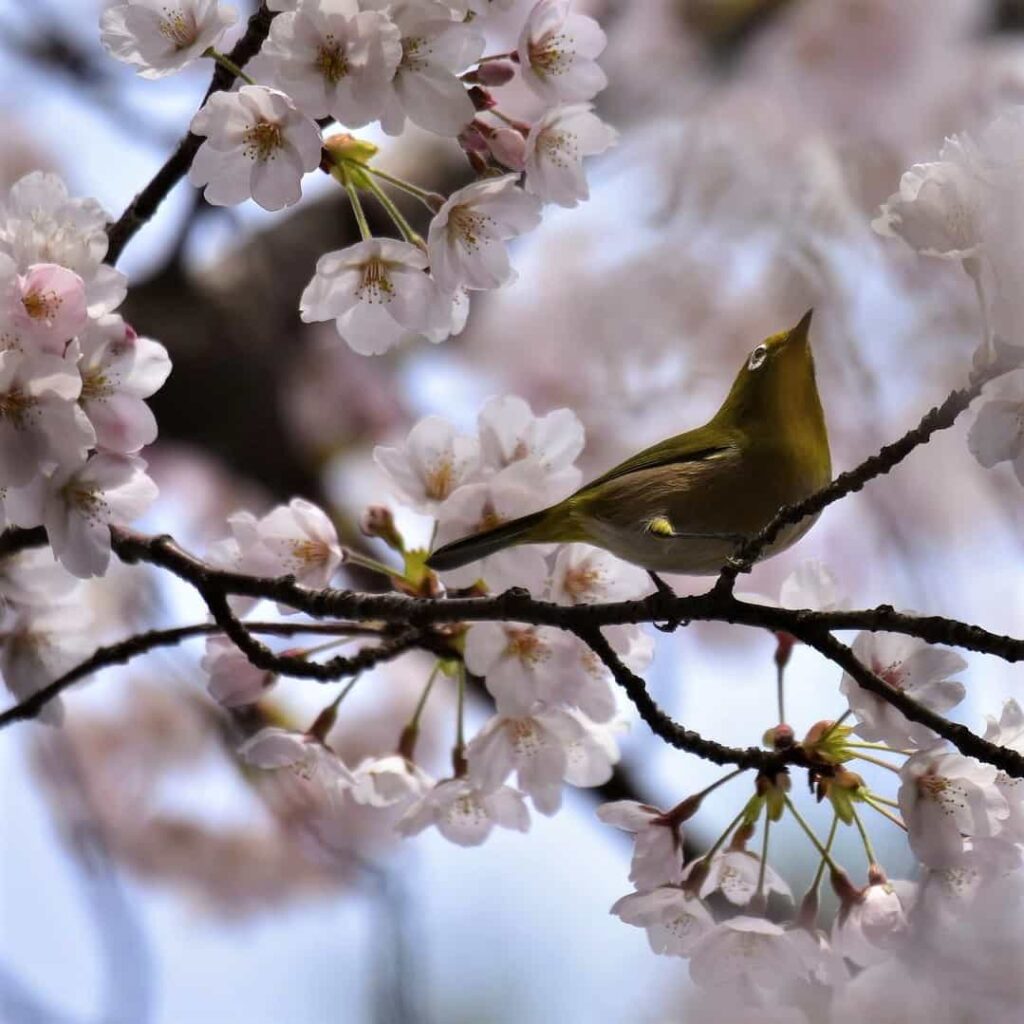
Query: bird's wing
[[693, 446]]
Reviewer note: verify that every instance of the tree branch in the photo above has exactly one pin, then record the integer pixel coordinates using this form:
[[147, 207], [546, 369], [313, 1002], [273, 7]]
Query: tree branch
[[142, 208]]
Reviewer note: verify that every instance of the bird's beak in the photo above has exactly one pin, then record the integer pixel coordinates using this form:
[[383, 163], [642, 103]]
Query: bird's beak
[[800, 332]]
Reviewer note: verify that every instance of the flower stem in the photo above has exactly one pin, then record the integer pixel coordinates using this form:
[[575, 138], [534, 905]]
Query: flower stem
[[459, 750], [394, 213], [885, 800], [878, 761], [780, 689], [869, 850], [820, 873], [422, 702], [835, 725], [357, 558], [228, 64], [885, 814], [759, 892], [722, 838], [432, 200], [826, 855], [357, 206]]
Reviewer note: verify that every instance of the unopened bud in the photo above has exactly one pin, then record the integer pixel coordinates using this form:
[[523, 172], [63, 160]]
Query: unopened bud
[[481, 98], [472, 141], [493, 73], [347, 147], [508, 147], [807, 915], [780, 737], [377, 521]]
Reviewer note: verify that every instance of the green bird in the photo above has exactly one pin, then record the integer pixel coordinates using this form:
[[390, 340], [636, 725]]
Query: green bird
[[682, 505]]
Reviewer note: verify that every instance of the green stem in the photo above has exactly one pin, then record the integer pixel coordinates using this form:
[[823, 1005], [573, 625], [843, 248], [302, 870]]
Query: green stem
[[835, 725], [459, 750], [429, 199], [820, 873], [885, 800], [780, 690], [885, 814], [357, 206], [358, 558], [722, 838], [878, 761], [414, 722], [759, 893], [881, 747], [394, 213], [228, 64], [869, 850], [826, 855]]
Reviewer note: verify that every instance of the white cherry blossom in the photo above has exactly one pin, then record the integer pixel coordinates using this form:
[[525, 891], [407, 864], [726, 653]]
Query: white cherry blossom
[[41, 426], [658, 850], [295, 539], [919, 670], [874, 925], [377, 293], [592, 756], [583, 574], [555, 149], [234, 680], [40, 223], [466, 240], [119, 371], [938, 209], [159, 37], [332, 59], [432, 463], [533, 746], [32, 579], [463, 814], [45, 306], [480, 506], [510, 432], [388, 781], [674, 920], [747, 951], [258, 145], [81, 504], [736, 874], [997, 434], [558, 51], [425, 87], [1008, 731], [309, 758], [946, 798]]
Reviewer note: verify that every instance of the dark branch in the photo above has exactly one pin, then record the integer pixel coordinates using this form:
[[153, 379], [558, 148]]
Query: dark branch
[[142, 208]]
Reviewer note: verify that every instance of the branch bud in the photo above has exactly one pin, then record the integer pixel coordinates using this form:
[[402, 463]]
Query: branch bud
[[377, 521], [493, 73]]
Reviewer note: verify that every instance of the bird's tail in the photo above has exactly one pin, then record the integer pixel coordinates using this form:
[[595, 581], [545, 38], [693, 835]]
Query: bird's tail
[[524, 530]]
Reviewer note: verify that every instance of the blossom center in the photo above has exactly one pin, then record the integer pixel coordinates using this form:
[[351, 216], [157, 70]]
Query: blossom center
[[15, 406], [42, 305], [332, 61], [552, 54], [468, 226], [310, 552], [439, 478], [86, 501], [581, 581], [376, 287], [263, 140], [525, 646], [178, 28], [95, 386], [414, 54], [558, 147]]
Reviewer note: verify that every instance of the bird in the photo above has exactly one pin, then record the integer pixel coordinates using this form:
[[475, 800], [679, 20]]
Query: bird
[[683, 505]]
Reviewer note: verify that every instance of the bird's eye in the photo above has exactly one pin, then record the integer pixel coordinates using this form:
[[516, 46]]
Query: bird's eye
[[757, 357]]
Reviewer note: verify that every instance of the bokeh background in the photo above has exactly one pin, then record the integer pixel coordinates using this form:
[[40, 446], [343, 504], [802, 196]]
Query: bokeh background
[[145, 878]]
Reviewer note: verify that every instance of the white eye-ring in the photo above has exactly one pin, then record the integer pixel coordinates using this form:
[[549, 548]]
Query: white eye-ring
[[757, 357]]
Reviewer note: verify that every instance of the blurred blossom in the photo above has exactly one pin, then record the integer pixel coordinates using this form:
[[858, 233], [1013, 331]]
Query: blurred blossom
[[658, 842], [464, 814]]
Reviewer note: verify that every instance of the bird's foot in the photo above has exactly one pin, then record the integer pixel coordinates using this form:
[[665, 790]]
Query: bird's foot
[[666, 591]]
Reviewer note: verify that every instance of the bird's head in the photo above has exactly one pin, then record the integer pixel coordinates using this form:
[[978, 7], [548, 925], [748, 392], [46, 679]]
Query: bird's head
[[776, 380]]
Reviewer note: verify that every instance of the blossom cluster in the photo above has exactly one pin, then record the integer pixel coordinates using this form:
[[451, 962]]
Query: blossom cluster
[[73, 378], [353, 62]]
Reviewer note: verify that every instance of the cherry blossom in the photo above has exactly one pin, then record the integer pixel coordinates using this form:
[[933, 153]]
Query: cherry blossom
[[388, 781], [558, 51], [674, 920], [736, 874], [997, 434], [433, 462], [119, 370], [377, 293], [747, 951], [945, 798], [480, 506], [41, 427], [510, 433], [587, 575], [874, 924], [464, 814], [533, 746], [296, 539], [658, 850], [45, 306], [305, 755], [555, 149], [33, 579], [1008, 731], [434, 50], [39, 223], [332, 59], [466, 240], [159, 37], [234, 680], [80, 504], [257, 145], [592, 755], [912, 666]]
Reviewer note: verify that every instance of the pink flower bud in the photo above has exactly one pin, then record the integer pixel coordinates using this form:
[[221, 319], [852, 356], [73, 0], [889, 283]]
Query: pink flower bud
[[495, 73], [508, 147]]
